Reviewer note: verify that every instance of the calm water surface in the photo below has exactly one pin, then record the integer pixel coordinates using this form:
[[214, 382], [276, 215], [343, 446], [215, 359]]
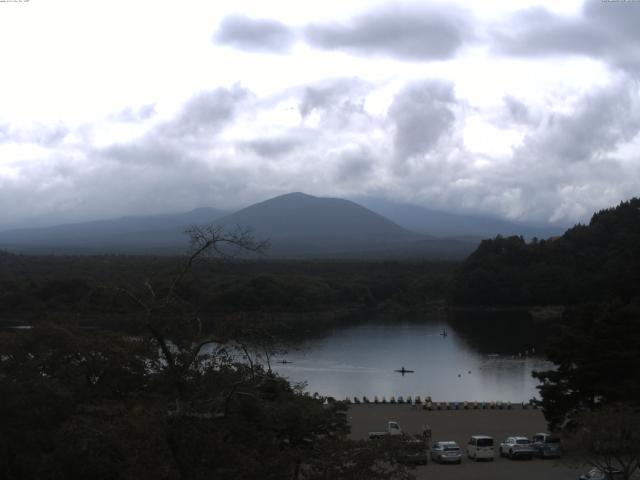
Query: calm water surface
[[480, 359]]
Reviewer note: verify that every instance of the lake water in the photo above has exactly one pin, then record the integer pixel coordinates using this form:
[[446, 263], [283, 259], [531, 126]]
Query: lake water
[[482, 358]]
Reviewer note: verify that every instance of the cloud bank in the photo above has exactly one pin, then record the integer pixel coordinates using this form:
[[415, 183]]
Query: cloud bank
[[407, 111]]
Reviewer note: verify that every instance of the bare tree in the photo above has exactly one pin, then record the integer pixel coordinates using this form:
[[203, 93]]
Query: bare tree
[[174, 323]]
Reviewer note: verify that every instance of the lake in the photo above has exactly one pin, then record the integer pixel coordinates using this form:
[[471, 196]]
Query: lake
[[483, 357]]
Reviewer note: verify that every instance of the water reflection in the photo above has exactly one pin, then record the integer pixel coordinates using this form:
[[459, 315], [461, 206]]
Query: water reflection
[[475, 362], [511, 333]]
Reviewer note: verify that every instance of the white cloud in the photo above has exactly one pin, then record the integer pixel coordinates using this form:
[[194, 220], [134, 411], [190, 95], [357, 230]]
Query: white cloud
[[135, 109]]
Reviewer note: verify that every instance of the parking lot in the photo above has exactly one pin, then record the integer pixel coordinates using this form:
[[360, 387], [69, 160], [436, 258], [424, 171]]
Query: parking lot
[[459, 425]]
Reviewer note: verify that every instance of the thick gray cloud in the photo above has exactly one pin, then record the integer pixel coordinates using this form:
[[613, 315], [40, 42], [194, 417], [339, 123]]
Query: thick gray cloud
[[258, 35], [411, 32], [422, 113], [273, 147], [605, 30], [354, 165], [602, 120], [518, 112], [566, 166], [148, 150], [345, 94], [205, 113], [168, 144]]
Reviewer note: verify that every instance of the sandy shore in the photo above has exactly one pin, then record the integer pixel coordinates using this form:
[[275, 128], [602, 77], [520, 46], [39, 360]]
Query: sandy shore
[[459, 425]]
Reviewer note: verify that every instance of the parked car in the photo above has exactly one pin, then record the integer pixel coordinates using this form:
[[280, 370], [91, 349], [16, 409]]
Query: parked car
[[546, 445], [598, 474], [517, 447], [446, 452], [413, 452], [480, 446]]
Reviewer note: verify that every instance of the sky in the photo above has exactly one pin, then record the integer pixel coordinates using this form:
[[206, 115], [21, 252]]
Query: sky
[[516, 109]]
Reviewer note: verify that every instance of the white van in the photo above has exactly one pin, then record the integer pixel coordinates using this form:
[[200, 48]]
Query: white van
[[480, 446]]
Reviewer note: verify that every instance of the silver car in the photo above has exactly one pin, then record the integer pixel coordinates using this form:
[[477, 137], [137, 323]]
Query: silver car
[[446, 452], [517, 447]]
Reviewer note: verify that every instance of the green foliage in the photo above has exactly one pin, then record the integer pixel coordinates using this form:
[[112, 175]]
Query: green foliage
[[588, 263], [596, 352], [607, 438], [83, 403], [36, 287]]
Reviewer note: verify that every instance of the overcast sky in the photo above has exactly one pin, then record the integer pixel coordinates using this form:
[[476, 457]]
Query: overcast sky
[[524, 110]]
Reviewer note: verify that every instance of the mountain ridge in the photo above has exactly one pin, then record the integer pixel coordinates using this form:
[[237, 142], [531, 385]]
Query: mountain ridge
[[111, 231], [448, 224], [298, 225]]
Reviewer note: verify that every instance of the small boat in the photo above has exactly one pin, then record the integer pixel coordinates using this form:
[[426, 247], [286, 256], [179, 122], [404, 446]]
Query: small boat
[[284, 361], [403, 371], [444, 332]]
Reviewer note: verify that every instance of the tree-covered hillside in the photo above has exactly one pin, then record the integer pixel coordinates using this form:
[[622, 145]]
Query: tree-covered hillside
[[588, 263]]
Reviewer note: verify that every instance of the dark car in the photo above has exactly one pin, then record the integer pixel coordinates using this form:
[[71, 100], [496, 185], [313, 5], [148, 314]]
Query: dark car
[[546, 445], [413, 452]]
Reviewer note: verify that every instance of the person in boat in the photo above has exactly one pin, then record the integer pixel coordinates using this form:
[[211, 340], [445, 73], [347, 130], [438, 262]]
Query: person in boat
[[404, 370]]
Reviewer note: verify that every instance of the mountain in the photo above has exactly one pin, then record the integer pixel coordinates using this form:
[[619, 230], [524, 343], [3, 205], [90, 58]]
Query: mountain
[[124, 234], [445, 224], [300, 225], [317, 224], [297, 226]]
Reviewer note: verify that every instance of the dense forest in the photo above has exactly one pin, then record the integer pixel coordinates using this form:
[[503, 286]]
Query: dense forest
[[89, 288], [588, 263]]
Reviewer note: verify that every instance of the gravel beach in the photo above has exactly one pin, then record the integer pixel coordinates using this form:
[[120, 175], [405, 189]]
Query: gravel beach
[[459, 425]]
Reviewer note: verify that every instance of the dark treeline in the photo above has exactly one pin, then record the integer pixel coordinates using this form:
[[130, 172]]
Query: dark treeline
[[588, 263], [89, 286]]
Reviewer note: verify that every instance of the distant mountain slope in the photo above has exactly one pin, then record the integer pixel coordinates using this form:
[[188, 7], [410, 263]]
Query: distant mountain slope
[[300, 224], [297, 226], [121, 233], [444, 224]]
